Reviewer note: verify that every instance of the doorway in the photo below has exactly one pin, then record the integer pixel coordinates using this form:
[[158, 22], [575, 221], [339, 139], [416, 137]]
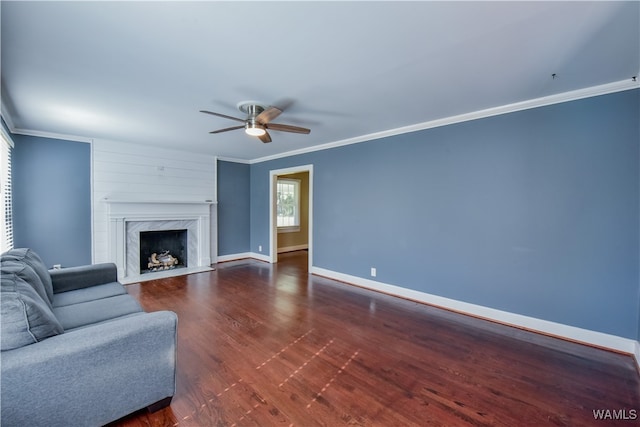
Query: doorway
[[297, 172]]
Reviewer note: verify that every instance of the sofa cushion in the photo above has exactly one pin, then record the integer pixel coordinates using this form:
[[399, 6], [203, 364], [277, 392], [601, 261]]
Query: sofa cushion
[[31, 258], [26, 273], [88, 294], [86, 313], [24, 316]]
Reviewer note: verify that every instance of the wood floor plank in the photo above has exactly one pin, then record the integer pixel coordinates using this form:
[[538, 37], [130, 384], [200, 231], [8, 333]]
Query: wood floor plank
[[271, 345]]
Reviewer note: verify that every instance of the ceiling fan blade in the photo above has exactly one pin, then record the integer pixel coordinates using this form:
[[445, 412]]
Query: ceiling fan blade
[[286, 128], [267, 115], [227, 129], [222, 115], [266, 137]]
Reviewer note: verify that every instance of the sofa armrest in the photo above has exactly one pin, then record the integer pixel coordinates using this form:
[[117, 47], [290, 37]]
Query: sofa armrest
[[93, 375], [68, 279]]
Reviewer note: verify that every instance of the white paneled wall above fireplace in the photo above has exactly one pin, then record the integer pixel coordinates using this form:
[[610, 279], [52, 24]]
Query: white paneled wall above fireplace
[[137, 173]]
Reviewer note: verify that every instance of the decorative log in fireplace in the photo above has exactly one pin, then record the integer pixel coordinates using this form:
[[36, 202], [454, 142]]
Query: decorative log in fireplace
[[164, 261], [162, 250]]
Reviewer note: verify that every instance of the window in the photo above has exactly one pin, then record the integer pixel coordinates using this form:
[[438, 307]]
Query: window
[[6, 211], [288, 205]]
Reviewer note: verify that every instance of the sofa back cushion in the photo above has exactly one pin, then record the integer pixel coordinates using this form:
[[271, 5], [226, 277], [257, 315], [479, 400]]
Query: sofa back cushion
[[28, 256], [26, 273], [24, 317]]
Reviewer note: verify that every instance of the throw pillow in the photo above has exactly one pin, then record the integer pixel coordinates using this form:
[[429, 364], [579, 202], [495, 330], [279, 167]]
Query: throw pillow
[[24, 317], [26, 273], [28, 256]]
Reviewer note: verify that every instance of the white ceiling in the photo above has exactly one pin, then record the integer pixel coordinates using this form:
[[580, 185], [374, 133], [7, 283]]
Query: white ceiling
[[139, 72]]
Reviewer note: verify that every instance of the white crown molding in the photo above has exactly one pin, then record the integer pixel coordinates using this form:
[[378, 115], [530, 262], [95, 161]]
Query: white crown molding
[[571, 333], [18, 131], [7, 136], [4, 112], [4, 109], [51, 135], [7, 118], [574, 95], [233, 160]]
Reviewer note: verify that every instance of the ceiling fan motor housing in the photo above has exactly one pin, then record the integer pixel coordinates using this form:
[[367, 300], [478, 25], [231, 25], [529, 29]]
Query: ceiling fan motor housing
[[252, 126], [251, 108]]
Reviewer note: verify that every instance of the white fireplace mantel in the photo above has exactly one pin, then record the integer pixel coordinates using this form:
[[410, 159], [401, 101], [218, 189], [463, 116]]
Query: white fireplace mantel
[[128, 217]]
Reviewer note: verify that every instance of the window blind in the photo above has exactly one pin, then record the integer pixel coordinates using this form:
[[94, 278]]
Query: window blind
[[5, 194]]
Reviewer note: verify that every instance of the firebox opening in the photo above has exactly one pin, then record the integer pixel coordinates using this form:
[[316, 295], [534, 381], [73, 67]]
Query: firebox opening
[[162, 250]]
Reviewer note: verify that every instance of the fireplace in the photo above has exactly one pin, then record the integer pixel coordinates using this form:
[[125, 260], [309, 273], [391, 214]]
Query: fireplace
[[163, 250], [129, 221]]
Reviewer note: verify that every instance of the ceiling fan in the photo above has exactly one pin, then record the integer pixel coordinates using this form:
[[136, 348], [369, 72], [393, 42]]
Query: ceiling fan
[[258, 121]]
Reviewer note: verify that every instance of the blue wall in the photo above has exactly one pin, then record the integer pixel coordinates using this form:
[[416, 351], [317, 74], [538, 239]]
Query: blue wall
[[52, 199], [533, 212], [233, 208]]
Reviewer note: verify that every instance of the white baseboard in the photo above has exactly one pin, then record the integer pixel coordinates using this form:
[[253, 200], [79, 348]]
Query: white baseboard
[[233, 257], [559, 330], [260, 257], [244, 255], [572, 333], [293, 248]]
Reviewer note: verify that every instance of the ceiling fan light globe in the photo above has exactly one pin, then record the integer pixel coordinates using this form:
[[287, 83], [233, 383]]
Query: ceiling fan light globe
[[254, 131]]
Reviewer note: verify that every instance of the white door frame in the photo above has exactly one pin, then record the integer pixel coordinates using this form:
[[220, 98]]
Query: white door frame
[[273, 225]]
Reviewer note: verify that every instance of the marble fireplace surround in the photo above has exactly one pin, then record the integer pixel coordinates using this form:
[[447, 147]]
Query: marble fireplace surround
[[128, 218]]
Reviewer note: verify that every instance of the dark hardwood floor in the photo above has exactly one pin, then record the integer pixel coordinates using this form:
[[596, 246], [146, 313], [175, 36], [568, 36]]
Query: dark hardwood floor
[[270, 345]]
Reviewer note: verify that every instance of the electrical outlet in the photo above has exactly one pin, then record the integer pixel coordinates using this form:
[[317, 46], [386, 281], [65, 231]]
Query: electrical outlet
[[373, 272], [260, 248]]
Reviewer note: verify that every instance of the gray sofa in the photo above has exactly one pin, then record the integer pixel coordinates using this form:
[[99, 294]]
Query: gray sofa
[[77, 350]]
